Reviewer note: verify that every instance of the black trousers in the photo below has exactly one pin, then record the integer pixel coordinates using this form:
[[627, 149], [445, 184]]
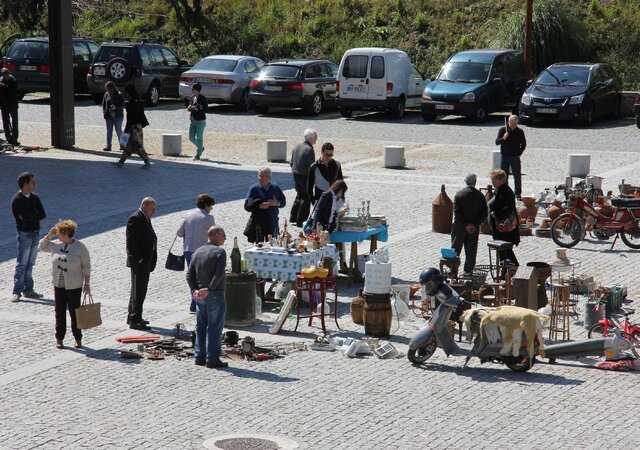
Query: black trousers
[[302, 204], [67, 299], [459, 238], [139, 284], [10, 124]]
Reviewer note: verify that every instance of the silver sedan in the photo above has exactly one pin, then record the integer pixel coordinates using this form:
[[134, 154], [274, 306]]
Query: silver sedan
[[224, 79]]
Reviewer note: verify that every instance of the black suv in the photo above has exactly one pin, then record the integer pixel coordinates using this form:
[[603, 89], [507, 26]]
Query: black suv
[[152, 68], [28, 60]]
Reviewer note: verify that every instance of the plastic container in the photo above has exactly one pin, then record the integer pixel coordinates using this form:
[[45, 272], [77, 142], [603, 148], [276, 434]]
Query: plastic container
[[448, 253]]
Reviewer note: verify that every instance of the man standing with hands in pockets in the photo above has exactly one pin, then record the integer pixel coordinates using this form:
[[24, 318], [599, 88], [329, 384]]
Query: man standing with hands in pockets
[[512, 144]]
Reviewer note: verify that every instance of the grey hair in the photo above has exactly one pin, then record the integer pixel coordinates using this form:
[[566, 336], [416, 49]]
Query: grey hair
[[308, 132], [471, 179], [515, 117], [148, 201], [215, 231], [266, 170]]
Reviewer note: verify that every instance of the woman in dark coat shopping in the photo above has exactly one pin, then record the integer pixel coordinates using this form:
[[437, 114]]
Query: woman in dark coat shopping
[[326, 210], [501, 206], [136, 121]]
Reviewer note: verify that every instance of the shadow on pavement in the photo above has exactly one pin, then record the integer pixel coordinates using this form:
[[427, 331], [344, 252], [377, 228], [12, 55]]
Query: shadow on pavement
[[264, 376], [110, 354]]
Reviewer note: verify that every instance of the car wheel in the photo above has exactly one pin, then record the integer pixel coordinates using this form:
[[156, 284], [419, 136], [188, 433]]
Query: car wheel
[[346, 112], [261, 109], [153, 95], [315, 107], [245, 102], [428, 117], [97, 98], [119, 70], [481, 113], [588, 115], [398, 109]]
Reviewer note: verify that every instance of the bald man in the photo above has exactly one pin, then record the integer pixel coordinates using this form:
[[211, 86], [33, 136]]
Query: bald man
[[142, 246]]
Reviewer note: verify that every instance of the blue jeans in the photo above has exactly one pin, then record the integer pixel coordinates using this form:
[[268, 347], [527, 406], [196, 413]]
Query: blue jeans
[[196, 135], [513, 162], [210, 315], [114, 122], [27, 253], [187, 259]]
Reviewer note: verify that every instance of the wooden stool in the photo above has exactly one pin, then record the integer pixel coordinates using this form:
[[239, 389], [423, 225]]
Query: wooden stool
[[313, 286], [452, 264], [560, 299], [498, 246]]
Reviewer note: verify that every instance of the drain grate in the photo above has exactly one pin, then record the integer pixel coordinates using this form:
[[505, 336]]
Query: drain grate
[[250, 441]]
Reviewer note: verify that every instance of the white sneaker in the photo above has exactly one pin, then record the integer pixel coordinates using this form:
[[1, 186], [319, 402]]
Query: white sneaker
[[15, 298]]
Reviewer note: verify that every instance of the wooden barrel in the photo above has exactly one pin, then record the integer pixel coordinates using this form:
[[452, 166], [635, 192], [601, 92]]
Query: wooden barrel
[[377, 314]]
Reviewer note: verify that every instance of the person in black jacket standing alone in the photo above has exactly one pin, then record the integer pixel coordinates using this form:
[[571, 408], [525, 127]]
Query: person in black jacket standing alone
[[9, 105], [28, 212], [512, 144], [142, 254], [469, 211], [301, 159]]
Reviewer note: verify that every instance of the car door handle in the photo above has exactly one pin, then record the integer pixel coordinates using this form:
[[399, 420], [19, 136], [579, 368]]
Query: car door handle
[[367, 82]]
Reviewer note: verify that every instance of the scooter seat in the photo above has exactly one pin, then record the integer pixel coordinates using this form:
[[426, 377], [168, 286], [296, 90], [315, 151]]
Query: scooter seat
[[626, 202], [500, 245]]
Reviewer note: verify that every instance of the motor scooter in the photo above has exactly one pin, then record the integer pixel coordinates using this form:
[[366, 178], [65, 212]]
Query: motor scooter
[[423, 345]]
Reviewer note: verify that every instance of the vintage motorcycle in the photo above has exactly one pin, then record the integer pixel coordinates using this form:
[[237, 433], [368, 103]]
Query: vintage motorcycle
[[423, 345], [570, 228]]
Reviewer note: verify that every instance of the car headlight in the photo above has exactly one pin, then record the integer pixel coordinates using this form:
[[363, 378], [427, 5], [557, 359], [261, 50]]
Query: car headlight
[[526, 99], [469, 97], [576, 99], [426, 94]]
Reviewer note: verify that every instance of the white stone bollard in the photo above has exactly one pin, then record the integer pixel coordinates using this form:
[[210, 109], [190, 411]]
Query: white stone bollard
[[276, 150], [495, 159], [171, 144], [393, 156], [579, 165]]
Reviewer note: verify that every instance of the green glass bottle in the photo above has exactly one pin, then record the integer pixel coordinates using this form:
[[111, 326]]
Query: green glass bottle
[[236, 258]]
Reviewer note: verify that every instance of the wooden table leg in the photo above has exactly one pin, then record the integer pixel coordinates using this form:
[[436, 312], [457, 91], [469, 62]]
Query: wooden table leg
[[374, 243], [353, 261]]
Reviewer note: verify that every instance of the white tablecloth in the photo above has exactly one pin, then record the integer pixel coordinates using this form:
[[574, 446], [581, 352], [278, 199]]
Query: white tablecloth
[[284, 266]]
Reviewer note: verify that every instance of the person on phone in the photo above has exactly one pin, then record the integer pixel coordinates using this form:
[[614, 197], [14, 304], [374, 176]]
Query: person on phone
[[197, 107], [70, 274], [113, 112], [501, 206], [264, 200], [512, 144]]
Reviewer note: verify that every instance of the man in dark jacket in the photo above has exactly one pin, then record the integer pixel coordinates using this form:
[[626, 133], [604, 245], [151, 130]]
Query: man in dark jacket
[[28, 212], [512, 144], [9, 106], [301, 159], [323, 173], [142, 254], [207, 279], [469, 211]]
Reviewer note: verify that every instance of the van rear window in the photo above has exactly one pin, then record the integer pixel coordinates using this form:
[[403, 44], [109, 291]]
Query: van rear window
[[377, 67], [355, 66], [29, 50]]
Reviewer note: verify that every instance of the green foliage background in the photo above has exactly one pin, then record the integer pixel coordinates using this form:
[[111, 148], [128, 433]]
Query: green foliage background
[[428, 30]]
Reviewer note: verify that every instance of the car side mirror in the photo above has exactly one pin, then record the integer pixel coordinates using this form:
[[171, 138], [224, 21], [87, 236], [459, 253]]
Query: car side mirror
[[529, 83], [497, 79], [433, 78], [182, 62]]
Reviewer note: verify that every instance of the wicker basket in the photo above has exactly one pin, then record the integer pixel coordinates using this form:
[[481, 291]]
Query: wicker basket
[[357, 309]]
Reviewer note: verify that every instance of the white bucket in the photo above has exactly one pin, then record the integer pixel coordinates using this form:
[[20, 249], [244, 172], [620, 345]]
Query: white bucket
[[595, 180], [401, 292]]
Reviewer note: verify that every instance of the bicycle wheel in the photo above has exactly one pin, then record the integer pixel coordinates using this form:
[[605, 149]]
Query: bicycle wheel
[[566, 231], [635, 343], [597, 331]]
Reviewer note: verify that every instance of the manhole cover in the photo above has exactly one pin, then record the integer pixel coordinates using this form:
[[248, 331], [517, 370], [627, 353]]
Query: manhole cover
[[250, 442]]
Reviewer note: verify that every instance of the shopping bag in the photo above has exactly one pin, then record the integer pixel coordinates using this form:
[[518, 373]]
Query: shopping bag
[[174, 262], [124, 139], [88, 313]]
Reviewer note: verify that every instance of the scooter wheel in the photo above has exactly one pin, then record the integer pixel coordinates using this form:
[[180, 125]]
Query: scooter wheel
[[518, 363], [420, 355]]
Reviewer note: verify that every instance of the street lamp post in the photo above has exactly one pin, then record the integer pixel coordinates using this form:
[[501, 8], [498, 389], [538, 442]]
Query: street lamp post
[[528, 31]]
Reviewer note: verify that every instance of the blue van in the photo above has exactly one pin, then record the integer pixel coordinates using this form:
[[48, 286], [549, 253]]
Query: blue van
[[474, 83]]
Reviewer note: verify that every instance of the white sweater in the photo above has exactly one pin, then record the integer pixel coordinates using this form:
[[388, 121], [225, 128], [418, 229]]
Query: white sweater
[[75, 262]]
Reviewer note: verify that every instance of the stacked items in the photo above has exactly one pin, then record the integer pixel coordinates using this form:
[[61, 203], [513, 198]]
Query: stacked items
[[376, 295]]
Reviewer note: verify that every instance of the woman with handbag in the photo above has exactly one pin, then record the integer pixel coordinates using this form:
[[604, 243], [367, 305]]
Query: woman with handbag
[[503, 216], [136, 121], [71, 271]]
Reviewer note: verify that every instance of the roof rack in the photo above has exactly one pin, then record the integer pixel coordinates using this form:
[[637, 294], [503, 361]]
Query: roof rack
[[137, 40]]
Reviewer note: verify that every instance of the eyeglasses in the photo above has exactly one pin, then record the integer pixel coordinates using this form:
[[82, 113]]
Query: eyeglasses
[[330, 155]]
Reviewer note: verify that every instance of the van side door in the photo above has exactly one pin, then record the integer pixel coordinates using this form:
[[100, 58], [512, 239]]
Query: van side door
[[377, 79], [496, 92], [356, 82]]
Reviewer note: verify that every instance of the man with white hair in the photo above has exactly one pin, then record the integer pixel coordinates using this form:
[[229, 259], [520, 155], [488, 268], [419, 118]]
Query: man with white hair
[[263, 201], [301, 159], [512, 144], [469, 211]]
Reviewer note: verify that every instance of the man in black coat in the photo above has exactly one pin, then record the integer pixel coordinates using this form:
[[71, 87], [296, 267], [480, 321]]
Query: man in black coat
[[142, 254], [469, 211], [301, 159], [9, 106], [512, 144]]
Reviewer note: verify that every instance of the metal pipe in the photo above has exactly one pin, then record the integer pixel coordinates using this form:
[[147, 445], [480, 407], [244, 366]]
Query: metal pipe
[[528, 31]]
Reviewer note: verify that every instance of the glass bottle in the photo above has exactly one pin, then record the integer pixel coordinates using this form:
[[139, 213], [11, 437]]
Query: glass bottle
[[236, 258]]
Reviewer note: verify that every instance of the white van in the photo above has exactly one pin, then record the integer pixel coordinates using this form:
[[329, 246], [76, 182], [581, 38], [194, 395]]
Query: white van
[[380, 79]]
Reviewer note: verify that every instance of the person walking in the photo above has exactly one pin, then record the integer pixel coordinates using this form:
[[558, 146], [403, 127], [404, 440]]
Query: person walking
[[193, 229], [9, 105], [512, 144], [302, 158], [502, 206], [323, 173], [469, 211], [71, 273], [263, 201], [207, 278], [136, 121], [28, 212], [142, 254], [113, 112], [198, 107]]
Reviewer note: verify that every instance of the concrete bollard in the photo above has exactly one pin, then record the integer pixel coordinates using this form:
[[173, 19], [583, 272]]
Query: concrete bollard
[[171, 144], [276, 150], [393, 156], [495, 159]]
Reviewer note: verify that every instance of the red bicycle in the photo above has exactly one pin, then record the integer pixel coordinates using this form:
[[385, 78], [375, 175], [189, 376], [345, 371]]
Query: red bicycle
[[608, 325]]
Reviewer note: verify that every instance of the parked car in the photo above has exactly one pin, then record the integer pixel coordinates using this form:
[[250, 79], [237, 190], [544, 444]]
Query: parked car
[[378, 79], [636, 110], [310, 85], [152, 68], [572, 91], [224, 79], [475, 83], [28, 61]]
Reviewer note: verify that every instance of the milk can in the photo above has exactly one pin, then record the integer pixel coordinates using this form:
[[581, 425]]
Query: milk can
[[442, 212]]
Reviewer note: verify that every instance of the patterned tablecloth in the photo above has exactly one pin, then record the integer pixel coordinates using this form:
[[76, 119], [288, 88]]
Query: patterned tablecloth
[[284, 266]]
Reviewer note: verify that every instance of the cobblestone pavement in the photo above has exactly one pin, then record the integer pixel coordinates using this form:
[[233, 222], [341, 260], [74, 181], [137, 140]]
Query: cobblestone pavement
[[92, 398]]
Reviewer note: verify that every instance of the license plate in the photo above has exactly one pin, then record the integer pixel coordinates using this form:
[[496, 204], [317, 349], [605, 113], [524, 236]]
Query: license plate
[[203, 80], [273, 88], [99, 71], [356, 88], [548, 110], [31, 68], [446, 107]]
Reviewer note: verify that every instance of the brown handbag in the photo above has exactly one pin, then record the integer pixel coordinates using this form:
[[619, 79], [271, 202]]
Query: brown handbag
[[88, 313]]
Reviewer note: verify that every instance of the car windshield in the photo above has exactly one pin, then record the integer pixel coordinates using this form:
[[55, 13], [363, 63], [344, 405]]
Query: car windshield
[[563, 76], [276, 71], [464, 72], [216, 65], [29, 50], [106, 54]]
